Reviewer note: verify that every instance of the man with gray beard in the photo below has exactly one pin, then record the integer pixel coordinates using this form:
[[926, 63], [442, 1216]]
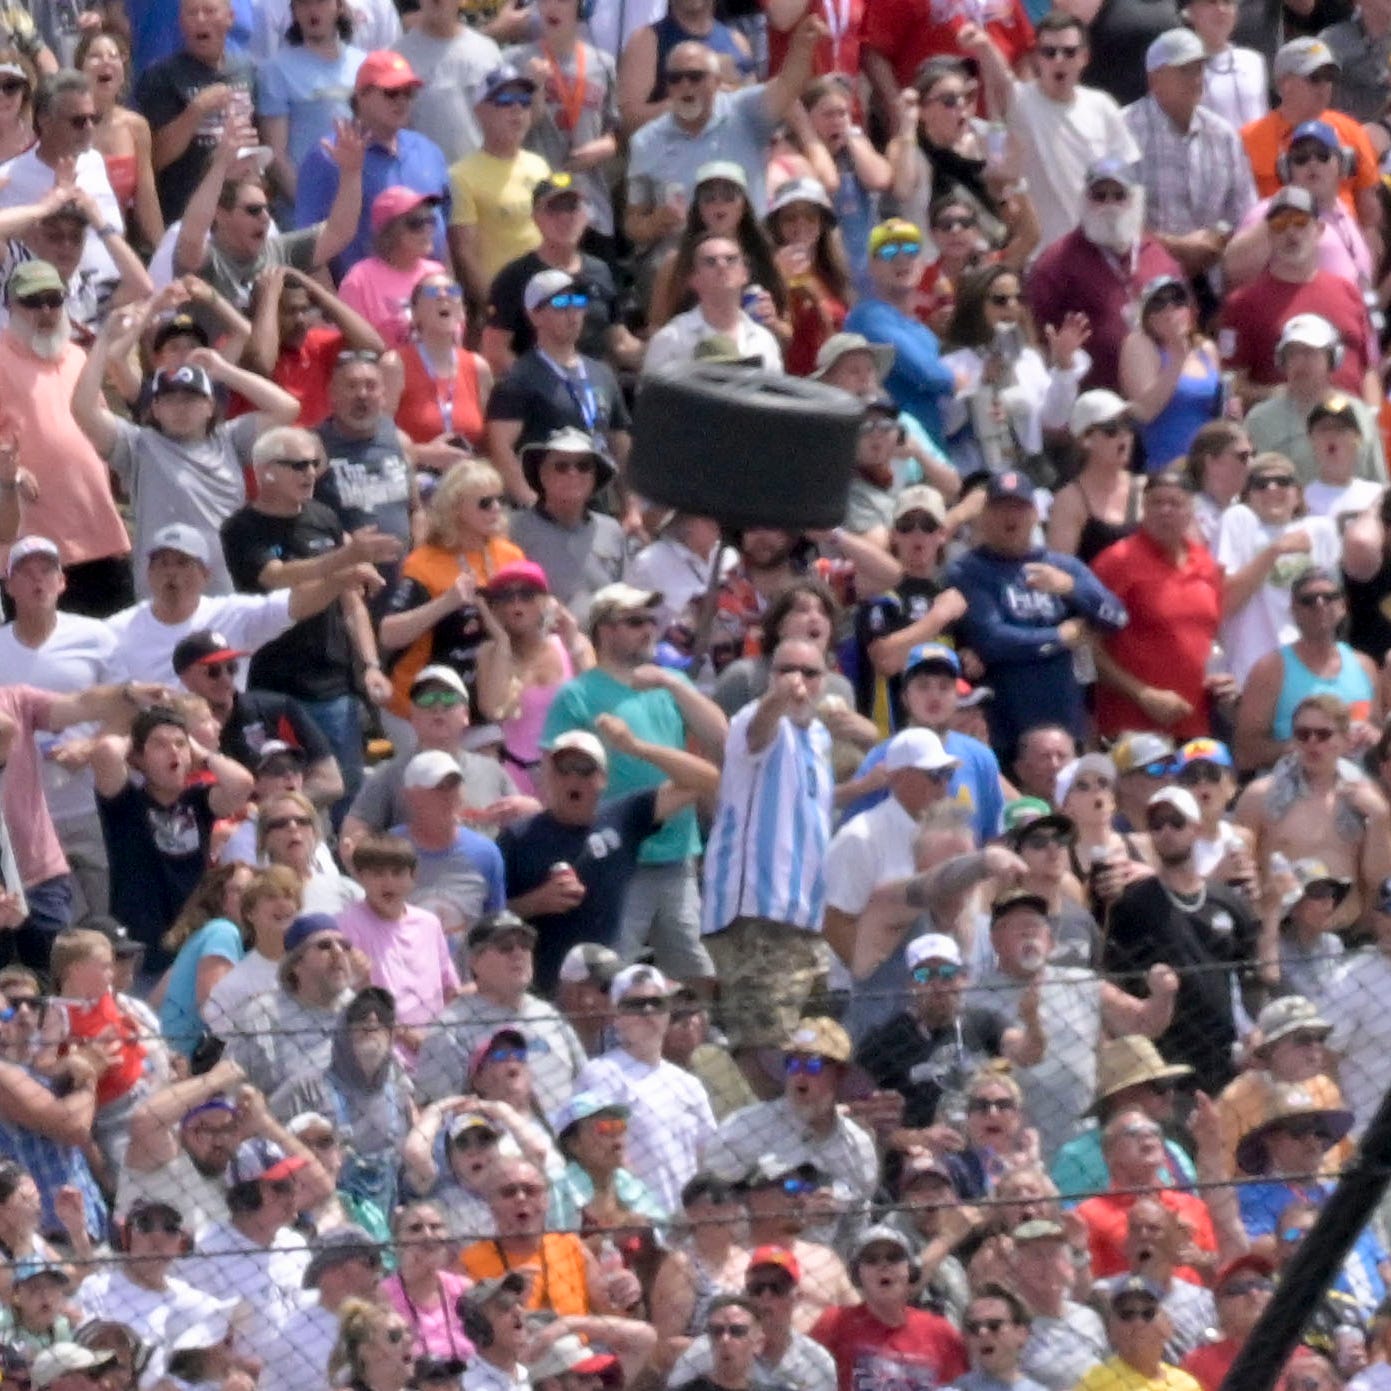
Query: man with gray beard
[[39, 367], [1099, 268]]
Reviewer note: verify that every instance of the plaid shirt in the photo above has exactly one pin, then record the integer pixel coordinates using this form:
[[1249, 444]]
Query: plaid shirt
[[1193, 179]]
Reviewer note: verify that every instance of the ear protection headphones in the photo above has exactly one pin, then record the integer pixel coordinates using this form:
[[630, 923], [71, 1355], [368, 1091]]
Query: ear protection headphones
[[478, 1329], [915, 1271], [1347, 162]]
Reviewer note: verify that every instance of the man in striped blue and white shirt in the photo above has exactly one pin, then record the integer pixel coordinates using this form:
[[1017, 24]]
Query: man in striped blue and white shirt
[[765, 889]]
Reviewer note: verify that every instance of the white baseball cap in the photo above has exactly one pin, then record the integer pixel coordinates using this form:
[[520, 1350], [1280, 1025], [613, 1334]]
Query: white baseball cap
[[186, 540], [580, 741], [932, 946], [431, 768], [31, 545], [442, 675], [1096, 408], [917, 748], [628, 980], [1181, 799]]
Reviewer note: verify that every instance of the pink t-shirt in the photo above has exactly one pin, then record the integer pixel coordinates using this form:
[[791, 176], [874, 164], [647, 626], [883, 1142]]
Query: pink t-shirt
[[410, 958], [1343, 249], [382, 295], [75, 507], [438, 1331], [35, 842]]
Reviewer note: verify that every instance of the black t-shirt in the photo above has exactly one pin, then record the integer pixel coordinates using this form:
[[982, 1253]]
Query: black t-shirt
[[604, 855], [368, 482], [1121, 31], [250, 541], [880, 618], [162, 852], [260, 716], [1146, 926], [162, 95], [1369, 623], [901, 1057], [534, 394], [454, 639], [507, 310]]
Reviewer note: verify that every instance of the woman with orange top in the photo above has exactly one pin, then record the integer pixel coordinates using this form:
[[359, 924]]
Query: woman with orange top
[[445, 386], [122, 136], [431, 616], [802, 224]]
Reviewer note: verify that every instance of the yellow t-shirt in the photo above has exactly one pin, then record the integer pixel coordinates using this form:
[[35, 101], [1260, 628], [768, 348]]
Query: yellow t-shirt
[[494, 195], [1115, 1374]]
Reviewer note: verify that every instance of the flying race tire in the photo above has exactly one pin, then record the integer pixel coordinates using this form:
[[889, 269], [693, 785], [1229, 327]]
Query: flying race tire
[[746, 447]]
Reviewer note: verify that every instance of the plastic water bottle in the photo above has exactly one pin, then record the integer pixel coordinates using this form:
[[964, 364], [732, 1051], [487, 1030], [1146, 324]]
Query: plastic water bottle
[[1280, 865]]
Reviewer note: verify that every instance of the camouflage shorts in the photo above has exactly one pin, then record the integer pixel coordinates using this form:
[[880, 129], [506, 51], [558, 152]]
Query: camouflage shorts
[[767, 972]]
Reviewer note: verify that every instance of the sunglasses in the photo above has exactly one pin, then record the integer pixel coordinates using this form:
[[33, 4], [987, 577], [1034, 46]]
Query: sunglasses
[[926, 974], [951, 100], [505, 1055], [352, 355], [1043, 840], [1322, 155], [906, 526], [1160, 768], [47, 299], [984, 1325], [34, 1003], [1111, 428], [1109, 195], [578, 463], [1271, 480], [437, 700], [515, 594], [807, 673], [574, 767], [893, 249], [1129, 1313], [1167, 299], [488, 502], [1240, 1287], [729, 1330], [984, 1105], [781, 1288], [796, 1066], [879, 426], [283, 823], [797, 1186], [1198, 773], [954, 224], [680, 75], [1166, 823], [1311, 734], [1289, 220], [1059, 50], [450, 291], [610, 1126], [510, 99], [148, 1223], [1304, 1130], [520, 1190], [568, 299], [1319, 599], [475, 1139], [254, 209], [644, 1004], [294, 465]]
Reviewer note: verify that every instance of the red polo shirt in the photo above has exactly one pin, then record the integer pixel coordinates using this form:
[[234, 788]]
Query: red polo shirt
[[1106, 1216], [1174, 613]]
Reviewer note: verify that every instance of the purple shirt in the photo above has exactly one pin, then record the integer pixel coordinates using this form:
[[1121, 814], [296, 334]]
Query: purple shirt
[[410, 958]]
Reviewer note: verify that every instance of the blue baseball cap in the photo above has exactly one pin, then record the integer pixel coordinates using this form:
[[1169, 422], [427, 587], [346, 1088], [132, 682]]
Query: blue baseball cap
[[1316, 130], [931, 654], [1012, 484], [1204, 750], [306, 926]]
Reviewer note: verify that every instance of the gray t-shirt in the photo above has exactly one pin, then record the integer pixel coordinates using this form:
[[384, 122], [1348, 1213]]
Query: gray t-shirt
[[199, 483], [577, 561], [1060, 1350], [381, 801], [598, 116], [452, 71], [278, 1035]]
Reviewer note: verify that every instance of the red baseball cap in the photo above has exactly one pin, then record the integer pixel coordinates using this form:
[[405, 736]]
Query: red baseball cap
[[519, 572], [1252, 1261], [778, 1256], [387, 70]]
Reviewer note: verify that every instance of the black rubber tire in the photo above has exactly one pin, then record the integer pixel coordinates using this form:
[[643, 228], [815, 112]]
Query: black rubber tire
[[749, 448]]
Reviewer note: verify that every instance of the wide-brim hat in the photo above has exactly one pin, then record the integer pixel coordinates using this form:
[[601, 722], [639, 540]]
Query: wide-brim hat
[[1293, 1103], [1129, 1062], [568, 440]]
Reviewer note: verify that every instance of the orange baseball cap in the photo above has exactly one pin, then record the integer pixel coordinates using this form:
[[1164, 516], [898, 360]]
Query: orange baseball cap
[[778, 1256], [387, 70]]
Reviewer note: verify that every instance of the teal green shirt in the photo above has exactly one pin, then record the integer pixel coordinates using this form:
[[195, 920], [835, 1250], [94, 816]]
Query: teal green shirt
[[1080, 1167], [653, 716]]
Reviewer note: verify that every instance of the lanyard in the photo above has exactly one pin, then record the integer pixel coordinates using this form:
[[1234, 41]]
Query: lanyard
[[837, 16], [581, 396], [444, 388], [571, 95]]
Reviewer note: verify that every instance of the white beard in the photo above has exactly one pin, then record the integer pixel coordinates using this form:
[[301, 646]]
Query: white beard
[[1115, 228], [49, 345]]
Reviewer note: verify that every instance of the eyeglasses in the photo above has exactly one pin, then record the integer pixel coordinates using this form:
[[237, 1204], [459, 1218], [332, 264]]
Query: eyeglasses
[[610, 1126], [729, 1330], [1111, 428], [644, 1004], [333, 944], [954, 224], [475, 1139], [283, 823], [510, 99], [927, 973], [1129, 1313], [573, 463], [1105, 195], [418, 222], [1271, 480], [149, 1223], [45, 299], [514, 594], [520, 1190], [892, 249], [84, 122], [807, 673], [1321, 155], [1289, 219], [680, 75], [437, 700], [1319, 599], [799, 1066], [294, 465], [984, 1325], [488, 501], [878, 425], [33, 1003], [951, 100], [906, 526], [1059, 50], [505, 1055], [1198, 773], [984, 1105], [1313, 734], [1166, 822], [1001, 300], [215, 671], [1043, 840], [780, 1288], [450, 291], [568, 299]]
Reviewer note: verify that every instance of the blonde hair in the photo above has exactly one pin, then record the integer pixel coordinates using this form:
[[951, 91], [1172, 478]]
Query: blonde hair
[[72, 945], [995, 1074], [467, 477], [300, 801], [358, 1320], [275, 881]]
